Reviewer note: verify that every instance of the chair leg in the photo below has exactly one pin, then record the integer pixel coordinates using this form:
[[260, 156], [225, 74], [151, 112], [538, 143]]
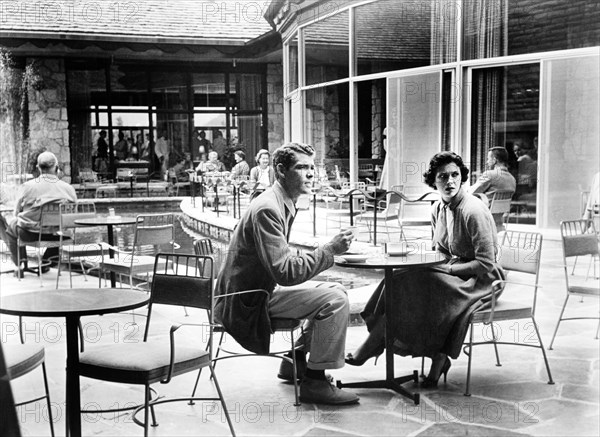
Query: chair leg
[[191, 401], [494, 339], [225, 410], [58, 269], [537, 332], [470, 355], [295, 370], [39, 256], [48, 403], [558, 323]]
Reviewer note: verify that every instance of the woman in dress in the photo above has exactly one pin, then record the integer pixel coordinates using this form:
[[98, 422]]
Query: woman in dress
[[263, 174], [241, 168], [433, 305]]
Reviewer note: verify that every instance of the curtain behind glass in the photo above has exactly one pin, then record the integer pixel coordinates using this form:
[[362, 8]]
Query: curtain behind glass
[[484, 29]]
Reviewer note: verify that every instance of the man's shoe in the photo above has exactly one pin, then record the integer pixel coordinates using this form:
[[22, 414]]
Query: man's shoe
[[286, 370], [318, 391]]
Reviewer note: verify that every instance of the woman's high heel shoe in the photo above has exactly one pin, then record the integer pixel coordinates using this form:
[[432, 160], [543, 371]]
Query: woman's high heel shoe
[[429, 382], [373, 346]]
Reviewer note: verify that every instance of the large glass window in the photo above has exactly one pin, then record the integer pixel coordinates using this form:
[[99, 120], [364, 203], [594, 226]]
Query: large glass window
[[86, 91], [396, 35], [569, 152], [505, 113], [169, 90], [327, 123], [502, 27], [326, 49], [292, 49], [413, 133]]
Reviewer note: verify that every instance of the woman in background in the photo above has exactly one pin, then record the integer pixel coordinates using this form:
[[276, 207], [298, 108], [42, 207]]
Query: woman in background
[[241, 168], [263, 174]]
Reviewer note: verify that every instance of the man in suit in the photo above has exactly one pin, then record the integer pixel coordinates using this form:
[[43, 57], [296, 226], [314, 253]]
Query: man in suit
[[260, 257]]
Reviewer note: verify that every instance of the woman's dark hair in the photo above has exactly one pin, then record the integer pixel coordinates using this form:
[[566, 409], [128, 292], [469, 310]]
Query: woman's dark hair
[[443, 158], [240, 154]]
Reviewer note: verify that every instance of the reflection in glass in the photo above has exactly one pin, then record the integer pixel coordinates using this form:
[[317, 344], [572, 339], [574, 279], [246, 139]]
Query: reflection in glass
[[396, 35], [169, 90], [86, 90], [504, 28], [505, 113], [569, 149], [209, 90], [413, 130], [327, 122], [326, 49], [292, 66]]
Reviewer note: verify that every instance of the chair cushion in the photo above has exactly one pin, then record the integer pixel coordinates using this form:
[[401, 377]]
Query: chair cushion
[[587, 291], [123, 264], [505, 310], [140, 363], [76, 250], [22, 358]]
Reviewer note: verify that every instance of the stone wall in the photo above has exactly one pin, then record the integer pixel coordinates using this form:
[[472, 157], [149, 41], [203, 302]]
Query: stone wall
[[275, 105], [48, 122]]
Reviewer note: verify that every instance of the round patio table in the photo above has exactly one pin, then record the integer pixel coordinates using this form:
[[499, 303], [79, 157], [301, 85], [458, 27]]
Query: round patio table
[[108, 221], [72, 304], [413, 260]]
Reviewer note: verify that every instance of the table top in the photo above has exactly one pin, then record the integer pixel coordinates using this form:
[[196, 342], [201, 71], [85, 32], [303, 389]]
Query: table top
[[75, 301], [381, 261], [106, 220]]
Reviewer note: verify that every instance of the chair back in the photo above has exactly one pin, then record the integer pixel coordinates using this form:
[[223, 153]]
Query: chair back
[[205, 247], [578, 238], [182, 280], [106, 191], [153, 230], [50, 217], [521, 252], [69, 212], [500, 203]]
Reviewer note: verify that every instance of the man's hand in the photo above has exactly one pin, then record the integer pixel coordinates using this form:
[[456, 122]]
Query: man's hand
[[341, 242]]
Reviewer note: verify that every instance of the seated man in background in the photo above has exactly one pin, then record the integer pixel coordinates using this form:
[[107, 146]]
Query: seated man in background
[[495, 178], [260, 257], [46, 188]]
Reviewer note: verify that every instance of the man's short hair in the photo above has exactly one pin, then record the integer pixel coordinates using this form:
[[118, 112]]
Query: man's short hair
[[46, 161], [500, 154], [286, 154]]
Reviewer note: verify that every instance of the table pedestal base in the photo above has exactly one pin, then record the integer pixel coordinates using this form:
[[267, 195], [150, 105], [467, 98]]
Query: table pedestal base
[[392, 384]]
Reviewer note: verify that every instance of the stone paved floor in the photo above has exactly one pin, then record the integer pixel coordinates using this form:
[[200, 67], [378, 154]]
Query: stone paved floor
[[514, 399]]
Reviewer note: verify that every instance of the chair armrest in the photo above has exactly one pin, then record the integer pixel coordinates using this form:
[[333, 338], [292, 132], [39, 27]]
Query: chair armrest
[[172, 346], [498, 286], [242, 292]]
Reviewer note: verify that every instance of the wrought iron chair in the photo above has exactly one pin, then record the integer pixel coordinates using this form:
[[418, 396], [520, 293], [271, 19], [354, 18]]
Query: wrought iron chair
[[22, 359], [153, 233], [579, 239], [47, 236], [89, 253], [178, 280], [519, 253], [500, 208]]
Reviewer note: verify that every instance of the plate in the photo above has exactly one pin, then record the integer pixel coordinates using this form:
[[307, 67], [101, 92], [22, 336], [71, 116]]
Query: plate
[[399, 252], [354, 258]]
